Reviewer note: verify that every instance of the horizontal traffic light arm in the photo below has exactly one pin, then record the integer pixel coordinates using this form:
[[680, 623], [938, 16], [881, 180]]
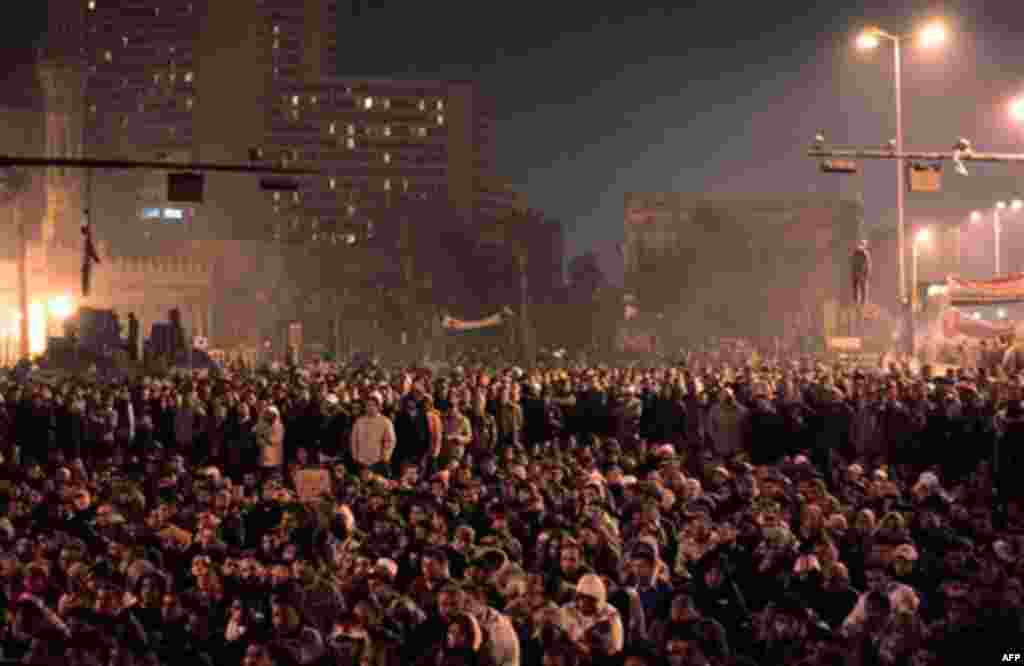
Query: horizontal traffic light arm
[[126, 165], [936, 156]]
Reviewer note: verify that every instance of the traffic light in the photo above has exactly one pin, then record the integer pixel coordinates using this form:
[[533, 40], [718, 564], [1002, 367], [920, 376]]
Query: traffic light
[[839, 166], [185, 187], [279, 184], [925, 177]]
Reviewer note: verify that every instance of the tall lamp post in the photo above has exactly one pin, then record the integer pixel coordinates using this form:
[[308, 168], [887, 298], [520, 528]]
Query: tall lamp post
[[921, 239], [932, 35]]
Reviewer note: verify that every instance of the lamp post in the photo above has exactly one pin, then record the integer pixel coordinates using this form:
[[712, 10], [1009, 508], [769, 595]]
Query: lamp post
[[930, 36], [1017, 109]]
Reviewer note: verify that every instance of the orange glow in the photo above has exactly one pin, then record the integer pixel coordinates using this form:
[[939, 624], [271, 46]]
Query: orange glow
[[36, 328], [61, 307]]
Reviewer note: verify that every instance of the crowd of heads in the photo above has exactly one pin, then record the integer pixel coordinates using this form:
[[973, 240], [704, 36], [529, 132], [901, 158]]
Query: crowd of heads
[[561, 515]]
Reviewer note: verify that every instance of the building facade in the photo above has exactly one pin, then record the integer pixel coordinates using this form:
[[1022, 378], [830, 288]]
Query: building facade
[[737, 266]]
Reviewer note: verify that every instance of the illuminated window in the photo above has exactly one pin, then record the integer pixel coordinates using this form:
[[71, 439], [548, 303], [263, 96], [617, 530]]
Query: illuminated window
[[295, 155], [313, 100], [124, 121], [277, 72], [440, 105], [124, 42], [92, 108], [350, 143], [351, 210], [368, 103], [189, 103], [92, 5], [333, 183], [423, 105], [387, 184], [277, 196], [156, 78], [333, 129], [277, 30], [277, 44], [108, 56], [351, 129], [405, 184], [156, 11], [295, 100], [421, 131], [295, 114], [189, 76], [296, 196], [440, 119], [387, 158], [173, 49], [387, 130], [172, 77], [387, 104]]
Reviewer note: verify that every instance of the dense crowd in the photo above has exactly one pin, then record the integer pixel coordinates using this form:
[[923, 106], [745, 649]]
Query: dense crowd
[[681, 515]]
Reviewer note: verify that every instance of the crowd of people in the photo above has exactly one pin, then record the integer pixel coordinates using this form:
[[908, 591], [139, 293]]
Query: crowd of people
[[688, 514]]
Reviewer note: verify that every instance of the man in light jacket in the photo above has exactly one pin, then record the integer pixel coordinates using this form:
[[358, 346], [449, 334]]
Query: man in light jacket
[[269, 433], [373, 438]]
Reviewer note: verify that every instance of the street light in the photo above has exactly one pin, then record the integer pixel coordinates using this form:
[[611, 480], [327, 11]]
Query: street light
[[932, 34], [975, 216], [1017, 109], [922, 238], [1016, 205]]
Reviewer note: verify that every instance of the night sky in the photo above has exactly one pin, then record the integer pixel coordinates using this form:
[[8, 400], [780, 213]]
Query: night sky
[[597, 99]]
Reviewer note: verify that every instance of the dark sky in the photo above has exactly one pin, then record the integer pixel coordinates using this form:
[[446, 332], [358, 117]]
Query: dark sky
[[599, 98]]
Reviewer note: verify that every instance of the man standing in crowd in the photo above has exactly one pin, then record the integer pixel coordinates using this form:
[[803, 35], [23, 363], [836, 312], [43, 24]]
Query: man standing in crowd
[[373, 438]]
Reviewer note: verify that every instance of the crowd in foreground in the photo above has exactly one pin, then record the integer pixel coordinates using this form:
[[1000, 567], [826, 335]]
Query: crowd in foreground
[[688, 514]]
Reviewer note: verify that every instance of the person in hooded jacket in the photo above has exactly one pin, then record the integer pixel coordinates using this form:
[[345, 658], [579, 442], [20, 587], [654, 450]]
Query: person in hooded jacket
[[596, 628]]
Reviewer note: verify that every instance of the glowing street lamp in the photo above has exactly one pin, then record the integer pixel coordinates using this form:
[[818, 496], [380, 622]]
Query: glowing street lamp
[[924, 236], [61, 307], [931, 35], [1017, 109], [976, 216], [1016, 205]]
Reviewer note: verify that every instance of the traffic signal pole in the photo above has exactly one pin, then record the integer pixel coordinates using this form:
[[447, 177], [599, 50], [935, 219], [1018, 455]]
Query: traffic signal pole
[[280, 180], [843, 160]]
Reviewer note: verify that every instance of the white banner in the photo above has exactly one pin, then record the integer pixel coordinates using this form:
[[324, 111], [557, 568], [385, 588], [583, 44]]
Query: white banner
[[453, 324]]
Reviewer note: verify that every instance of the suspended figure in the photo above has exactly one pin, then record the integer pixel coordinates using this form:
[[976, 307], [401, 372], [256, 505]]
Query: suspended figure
[[89, 258], [861, 271]]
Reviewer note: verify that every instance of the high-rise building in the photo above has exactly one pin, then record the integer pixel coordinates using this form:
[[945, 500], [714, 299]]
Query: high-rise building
[[211, 81]]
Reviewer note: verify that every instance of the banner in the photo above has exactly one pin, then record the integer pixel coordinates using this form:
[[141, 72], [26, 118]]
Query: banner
[[1006, 289], [843, 344], [457, 325], [955, 324]]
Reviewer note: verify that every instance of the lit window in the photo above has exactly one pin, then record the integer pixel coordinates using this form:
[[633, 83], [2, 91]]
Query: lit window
[[387, 130], [108, 56], [92, 108], [92, 5], [313, 100], [440, 105], [277, 72], [333, 129], [387, 104], [174, 214], [151, 213], [387, 158], [124, 42], [295, 114], [156, 11], [295, 100], [189, 76], [173, 49], [350, 143], [296, 196], [156, 78], [368, 103], [351, 210], [172, 77], [423, 105], [421, 131], [440, 119], [277, 44], [295, 155], [351, 129], [387, 184], [189, 103], [124, 121], [277, 30], [277, 196], [405, 184], [333, 183]]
